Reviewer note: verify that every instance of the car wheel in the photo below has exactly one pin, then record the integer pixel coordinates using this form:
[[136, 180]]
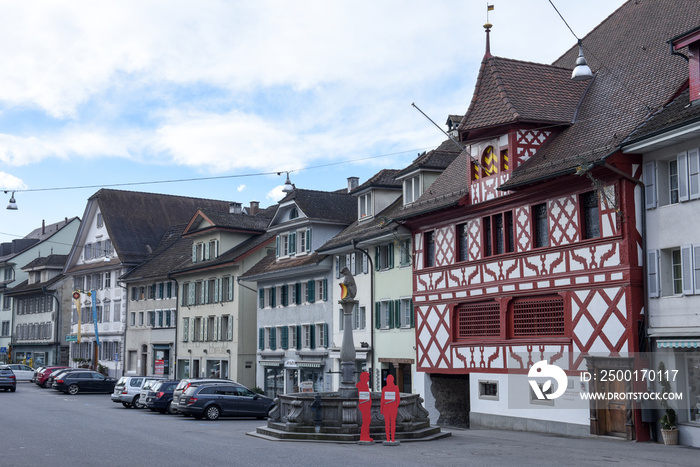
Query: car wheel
[[212, 412], [13, 389], [46, 384], [171, 409], [73, 389], [126, 405]]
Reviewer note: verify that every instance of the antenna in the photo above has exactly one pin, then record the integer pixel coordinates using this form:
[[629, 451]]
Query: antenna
[[449, 136]]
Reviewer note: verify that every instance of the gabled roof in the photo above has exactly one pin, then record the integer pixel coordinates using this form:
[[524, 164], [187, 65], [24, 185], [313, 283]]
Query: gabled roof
[[385, 178], [436, 159], [635, 75], [231, 221], [51, 261], [172, 252], [450, 187], [36, 236], [510, 91], [365, 230], [269, 265], [675, 115], [137, 221], [328, 206]]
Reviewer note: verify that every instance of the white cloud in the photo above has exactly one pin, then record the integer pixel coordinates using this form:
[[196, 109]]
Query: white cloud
[[276, 193], [10, 182], [240, 188]]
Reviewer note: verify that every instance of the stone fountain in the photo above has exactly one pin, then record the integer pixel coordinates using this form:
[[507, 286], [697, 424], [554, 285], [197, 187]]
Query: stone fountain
[[334, 416]]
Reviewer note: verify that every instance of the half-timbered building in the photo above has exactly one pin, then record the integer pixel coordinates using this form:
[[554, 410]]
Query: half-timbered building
[[528, 247]]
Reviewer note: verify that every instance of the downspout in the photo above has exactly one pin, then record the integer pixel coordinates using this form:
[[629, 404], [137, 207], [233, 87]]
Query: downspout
[[177, 307]]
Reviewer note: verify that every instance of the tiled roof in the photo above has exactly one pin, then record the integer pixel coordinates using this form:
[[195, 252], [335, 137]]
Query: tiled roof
[[56, 261], [676, 114], [364, 230], [137, 221], [635, 76], [439, 158], [269, 265], [510, 91], [238, 221], [338, 207], [385, 178], [25, 287], [172, 252], [446, 191]]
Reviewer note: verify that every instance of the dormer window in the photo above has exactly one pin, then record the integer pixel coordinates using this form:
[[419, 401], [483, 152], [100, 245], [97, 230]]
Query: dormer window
[[293, 213], [411, 189], [491, 163], [205, 251], [365, 205]]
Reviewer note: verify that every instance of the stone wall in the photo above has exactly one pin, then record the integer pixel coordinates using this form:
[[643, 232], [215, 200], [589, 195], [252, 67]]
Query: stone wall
[[451, 393]]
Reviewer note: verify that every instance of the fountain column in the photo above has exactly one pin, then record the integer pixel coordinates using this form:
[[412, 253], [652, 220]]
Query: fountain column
[[347, 387]]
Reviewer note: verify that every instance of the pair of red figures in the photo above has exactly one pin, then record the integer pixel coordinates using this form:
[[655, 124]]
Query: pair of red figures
[[389, 407]]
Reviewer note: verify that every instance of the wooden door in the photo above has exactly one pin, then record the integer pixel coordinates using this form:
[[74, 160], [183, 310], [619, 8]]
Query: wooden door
[[614, 411]]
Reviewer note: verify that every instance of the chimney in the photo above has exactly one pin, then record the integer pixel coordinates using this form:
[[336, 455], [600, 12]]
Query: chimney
[[254, 208], [353, 182], [692, 41], [235, 208], [43, 226]]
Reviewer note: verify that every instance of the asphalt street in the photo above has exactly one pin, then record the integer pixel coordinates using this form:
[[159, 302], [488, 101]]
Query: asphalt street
[[44, 427]]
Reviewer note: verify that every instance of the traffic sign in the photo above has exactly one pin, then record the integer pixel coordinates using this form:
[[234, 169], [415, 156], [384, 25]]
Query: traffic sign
[[3, 349]]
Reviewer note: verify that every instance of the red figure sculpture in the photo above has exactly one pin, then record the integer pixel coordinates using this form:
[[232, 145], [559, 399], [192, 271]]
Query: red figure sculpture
[[390, 407], [365, 406]]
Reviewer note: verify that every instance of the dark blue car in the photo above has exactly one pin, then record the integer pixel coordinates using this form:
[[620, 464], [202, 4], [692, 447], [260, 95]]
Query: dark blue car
[[161, 397]]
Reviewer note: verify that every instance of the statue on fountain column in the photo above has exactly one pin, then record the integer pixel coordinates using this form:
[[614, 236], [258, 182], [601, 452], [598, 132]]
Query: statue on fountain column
[[348, 288]]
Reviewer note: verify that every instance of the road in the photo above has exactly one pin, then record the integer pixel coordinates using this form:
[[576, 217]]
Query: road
[[48, 428]]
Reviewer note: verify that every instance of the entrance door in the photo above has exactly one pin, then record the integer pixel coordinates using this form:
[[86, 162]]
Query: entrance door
[[614, 411]]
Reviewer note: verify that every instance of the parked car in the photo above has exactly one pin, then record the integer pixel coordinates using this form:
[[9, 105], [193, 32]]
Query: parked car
[[189, 382], [52, 377], [43, 375], [214, 400], [147, 387], [8, 380], [36, 373], [160, 397], [127, 391], [22, 372], [74, 382]]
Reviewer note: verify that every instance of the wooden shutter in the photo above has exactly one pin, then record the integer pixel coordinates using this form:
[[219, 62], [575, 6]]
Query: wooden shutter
[[297, 295], [277, 247], [284, 337], [653, 273], [696, 269], [308, 239], [261, 298], [687, 269], [229, 336], [412, 313], [261, 338], [377, 315], [683, 177], [390, 252], [325, 335], [285, 295], [649, 177], [312, 336], [292, 243], [185, 330], [337, 267], [311, 291], [694, 173], [194, 253], [397, 313], [298, 336], [376, 258], [273, 338], [391, 314], [207, 251], [325, 290]]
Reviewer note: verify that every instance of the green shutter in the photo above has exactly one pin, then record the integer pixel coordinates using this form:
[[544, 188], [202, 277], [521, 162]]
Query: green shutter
[[284, 337], [376, 258], [312, 331], [285, 295], [308, 239], [325, 290], [325, 335], [397, 313], [390, 252], [298, 336], [377, 315], [194, 253], [311, 291], [273, 297], [297, 295], [292, 243], [391, 314], [273, 338], [277, 247], [412, 313], [261, 338], [261, 297]]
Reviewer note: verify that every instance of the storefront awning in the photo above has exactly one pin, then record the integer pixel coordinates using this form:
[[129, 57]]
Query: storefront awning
[[270, 363], [678, 343], [309, 364]]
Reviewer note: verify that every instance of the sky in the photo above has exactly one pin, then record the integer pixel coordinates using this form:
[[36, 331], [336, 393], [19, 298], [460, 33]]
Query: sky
[[219, 99]]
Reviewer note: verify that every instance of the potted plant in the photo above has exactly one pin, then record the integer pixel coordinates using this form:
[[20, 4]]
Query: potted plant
[[669, 430]]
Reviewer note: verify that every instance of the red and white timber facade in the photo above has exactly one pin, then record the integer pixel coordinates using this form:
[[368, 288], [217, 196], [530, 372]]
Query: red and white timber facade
[[491, 298]]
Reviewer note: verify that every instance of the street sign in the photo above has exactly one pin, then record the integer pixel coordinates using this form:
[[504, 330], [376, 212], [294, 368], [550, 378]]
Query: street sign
[[71, 338], [3, 350]]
